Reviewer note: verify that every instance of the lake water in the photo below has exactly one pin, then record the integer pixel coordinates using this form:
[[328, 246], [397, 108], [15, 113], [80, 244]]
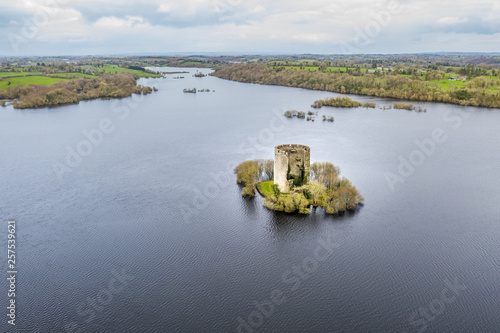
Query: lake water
[[145, 230]]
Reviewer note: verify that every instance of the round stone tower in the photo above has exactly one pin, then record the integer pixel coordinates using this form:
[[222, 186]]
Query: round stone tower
[[291, 162]]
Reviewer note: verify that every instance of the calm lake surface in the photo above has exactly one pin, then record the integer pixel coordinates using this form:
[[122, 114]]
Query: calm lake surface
[[154, 203]]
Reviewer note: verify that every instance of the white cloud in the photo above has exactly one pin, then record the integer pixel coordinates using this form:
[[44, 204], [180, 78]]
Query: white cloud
[[312, 37], [452, 20], [188, 6], [164, 8], [258, 9], [119, 23]]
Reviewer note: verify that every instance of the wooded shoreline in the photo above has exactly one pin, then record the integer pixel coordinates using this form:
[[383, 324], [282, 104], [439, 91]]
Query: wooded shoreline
[[477, 93], [73, 91]]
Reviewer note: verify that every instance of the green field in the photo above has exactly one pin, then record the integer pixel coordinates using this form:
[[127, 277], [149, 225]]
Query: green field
[[4, 74], [450, 85], [25, 80], [114, 69], [184, 63]]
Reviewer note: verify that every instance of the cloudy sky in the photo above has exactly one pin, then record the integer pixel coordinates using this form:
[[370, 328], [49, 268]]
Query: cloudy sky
[[81, 27]]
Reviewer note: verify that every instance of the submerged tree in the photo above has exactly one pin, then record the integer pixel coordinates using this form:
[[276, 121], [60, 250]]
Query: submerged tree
[[325, 173], [247, 174], [266, 169]]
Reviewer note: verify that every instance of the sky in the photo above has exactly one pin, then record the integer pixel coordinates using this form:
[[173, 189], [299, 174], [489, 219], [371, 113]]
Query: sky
[[108, 27]]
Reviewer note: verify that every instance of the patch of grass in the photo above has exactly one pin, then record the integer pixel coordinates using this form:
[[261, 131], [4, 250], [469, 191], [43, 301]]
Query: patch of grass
[[450, 85], [25, 80], [267, 187]]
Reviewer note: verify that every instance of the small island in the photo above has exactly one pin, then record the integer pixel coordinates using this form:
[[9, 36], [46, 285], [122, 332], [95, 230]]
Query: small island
[[341, 102], [291, 184]]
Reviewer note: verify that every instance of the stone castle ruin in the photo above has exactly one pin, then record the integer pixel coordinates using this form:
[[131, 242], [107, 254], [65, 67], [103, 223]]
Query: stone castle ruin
[[291, 166]]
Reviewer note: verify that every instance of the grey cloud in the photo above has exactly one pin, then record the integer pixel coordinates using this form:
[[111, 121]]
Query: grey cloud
[[473, 25], [177, 18], [254, 29]]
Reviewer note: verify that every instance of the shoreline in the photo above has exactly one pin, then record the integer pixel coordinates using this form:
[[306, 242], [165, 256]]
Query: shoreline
[[72, 92], [256, 78]]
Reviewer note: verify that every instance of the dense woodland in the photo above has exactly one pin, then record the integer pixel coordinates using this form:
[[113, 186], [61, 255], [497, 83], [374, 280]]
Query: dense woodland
[[478, 91]]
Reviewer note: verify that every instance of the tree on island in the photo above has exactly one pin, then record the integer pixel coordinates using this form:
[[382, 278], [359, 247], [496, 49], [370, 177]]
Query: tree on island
[[326, 189], [266, 169], [247, 175]]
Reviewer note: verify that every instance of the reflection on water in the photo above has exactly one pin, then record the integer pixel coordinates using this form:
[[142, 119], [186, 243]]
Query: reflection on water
[[122, 208]]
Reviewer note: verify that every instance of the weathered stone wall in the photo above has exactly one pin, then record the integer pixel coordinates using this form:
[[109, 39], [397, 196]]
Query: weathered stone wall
[[293, 155], [280, 169]]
